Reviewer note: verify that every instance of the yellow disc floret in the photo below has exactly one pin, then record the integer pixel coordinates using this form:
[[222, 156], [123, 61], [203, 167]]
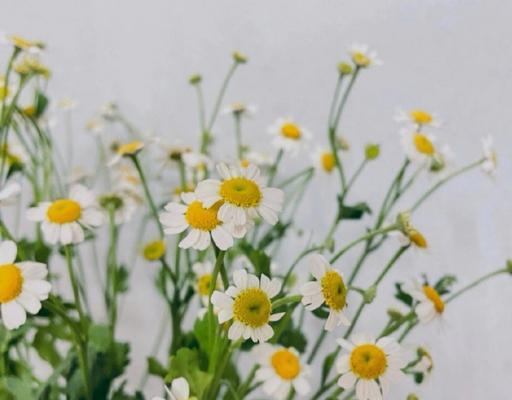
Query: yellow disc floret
[[334, 290], [368, 361], [286, 364], [291, 131], [434, 297], [202, 218], [130, 148], [241, 192], [203, 284], [328, 162], [417, 238], [423, 144], [154, 250], [11, 282], [421, 117], [252, 307], [361, 59], [64, 211]]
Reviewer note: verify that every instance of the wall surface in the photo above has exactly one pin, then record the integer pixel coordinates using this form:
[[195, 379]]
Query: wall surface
[[450, 56]]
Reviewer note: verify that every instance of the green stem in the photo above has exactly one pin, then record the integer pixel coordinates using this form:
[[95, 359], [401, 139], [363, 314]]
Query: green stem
[[295, 177], [476, 283], [273, 168], [220, 96], [238, 135], [286, 300], [297, 260], [149, 198]]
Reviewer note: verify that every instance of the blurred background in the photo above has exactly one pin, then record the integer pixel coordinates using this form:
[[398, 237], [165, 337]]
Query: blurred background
[[451, 57]]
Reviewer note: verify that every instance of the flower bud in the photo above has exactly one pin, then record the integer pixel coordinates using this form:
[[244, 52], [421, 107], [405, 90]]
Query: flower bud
[[509, 266], [342, 143], [345, 68], [369, 294], [239, 57], [412, 396], [394, 314], [371, 151], [154, 250], [195, 79]]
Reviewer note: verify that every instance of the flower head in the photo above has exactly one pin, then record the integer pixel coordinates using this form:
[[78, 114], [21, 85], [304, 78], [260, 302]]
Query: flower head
[[242, 195], [248, 304], [407, 234], [204, 278], [30, 65], [62, 219], [126, 150], [430, 304], [370, 365], [202, 222], [328, 288], [240, 110], [417, 117], [179, 390], [324, 161], [490, 159], [21, 43], [154, 250], [288, 135], [281, 369], [121, 203], [363, 57], [418, 147], [22, 286]]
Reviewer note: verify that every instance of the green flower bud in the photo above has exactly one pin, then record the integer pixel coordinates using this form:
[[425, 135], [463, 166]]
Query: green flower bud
[[343, 143], [345, 68], [509, 266], [239, 57], [195, 79], [371, 151], [438, 163], [369, 294], [394, 314], [412, 396]]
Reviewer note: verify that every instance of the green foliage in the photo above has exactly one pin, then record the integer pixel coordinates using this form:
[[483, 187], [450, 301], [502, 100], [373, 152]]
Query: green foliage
[[402, 296], [156, 368], [274, 234], [186, 363], [357, 211], [444, 284], [258, 258]]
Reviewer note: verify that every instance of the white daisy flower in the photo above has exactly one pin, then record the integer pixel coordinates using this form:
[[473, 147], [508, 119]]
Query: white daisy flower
[[418, 118], [259, 159], [363, 57], [329, 288], [281, 369], [203, 223], [248, 304], [240, 109], [288, 135], [179, 390], [22, 286], [243, 195], [430, 306], [323, 160], [197, 163], [407, 234], [126, 150], [9, 192], [491, 161], [29, 46], [122, 203], [370, 365], [442, 160], [418, 147], [204, 276], [62, 219]]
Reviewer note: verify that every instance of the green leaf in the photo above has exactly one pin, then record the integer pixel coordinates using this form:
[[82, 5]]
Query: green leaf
[[402, 296], [99, 337], [356, 211], [327, 366], [186, 364], [444, 284], [258, 258], [156, 368], [275, 233], [44, 343], [294, 338], [121, 279], [19, 388], [321, 313], [40, 103]]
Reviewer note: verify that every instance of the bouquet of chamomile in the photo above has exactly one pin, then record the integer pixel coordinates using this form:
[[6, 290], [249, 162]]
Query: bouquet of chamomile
[[234, 324]]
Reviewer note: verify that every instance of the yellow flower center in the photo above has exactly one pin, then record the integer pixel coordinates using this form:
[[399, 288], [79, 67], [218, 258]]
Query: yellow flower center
[[130, 148], [434, 297], [252, 307], [421, 117], [334, 290], [154, 250], [360, 59], [203, 284], [368, 361], [11, 282], [286, 364], [328, 162], [4, 91], [291, 131], [241, 192], [202, 218], [417, 238], [423, 144], [21, 43], [244, 163], [64, 211]]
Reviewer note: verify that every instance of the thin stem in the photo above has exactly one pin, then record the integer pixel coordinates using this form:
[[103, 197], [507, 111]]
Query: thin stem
[[273, 168], [335, 98], [200, 101], [220, 97], [476, 283], [238, 135], [297, 260], [295, 177]]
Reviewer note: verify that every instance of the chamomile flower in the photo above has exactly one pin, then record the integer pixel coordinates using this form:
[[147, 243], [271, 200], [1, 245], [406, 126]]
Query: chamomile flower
[[288, 135], [281, 369], [197, 163], [418, 147], [177, 191], [370, 365], [203, 223], [121, 204], [239, 109], [329, 288], [14, 153], [62, 219], [418, 118], [261, 160], [126, 150], [179, 390], [242, 194], [363, 57], [324, 161], [442, 160], [490, 160], [248, 304], [27, 45], [204, 277], [430, 306], [407, 234], [22, 286], [9, 192], [154, 250]]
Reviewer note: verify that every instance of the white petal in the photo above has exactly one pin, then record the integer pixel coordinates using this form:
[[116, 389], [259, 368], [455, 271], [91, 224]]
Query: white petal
[[51, 232], [222, 238], [176, 208], [180, 389], [345, 344], [33, 270], [92, 217], [343, 364], [66, 234], [7, 252], [29, 302], [347, 380], [240, 278], [318, 265], [235, 331], [13, 315], [191, 239], [38, 288]]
